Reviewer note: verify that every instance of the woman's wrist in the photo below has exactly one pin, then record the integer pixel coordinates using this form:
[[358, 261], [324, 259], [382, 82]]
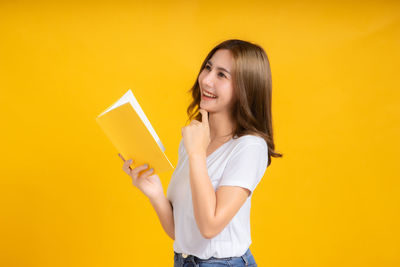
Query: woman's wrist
[[201, 155], [157, 199]]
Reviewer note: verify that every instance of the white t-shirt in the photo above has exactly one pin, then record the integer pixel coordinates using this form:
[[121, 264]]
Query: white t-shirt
[[238, 162]]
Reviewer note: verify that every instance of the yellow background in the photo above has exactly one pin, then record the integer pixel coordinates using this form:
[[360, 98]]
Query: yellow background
[[332, 200]]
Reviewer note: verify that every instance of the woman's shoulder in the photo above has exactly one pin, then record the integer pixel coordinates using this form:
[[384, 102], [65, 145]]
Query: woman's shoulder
[[249, 139], [249, 147]]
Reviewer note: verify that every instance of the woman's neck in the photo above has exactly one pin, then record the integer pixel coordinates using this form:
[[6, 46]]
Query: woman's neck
[[221, 127]]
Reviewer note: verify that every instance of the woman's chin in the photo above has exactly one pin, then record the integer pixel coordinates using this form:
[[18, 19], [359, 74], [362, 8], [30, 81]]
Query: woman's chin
[[202, 106], [206, 107]]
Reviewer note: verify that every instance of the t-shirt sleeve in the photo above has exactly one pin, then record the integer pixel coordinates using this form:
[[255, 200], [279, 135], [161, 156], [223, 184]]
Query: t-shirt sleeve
[[246, 166]]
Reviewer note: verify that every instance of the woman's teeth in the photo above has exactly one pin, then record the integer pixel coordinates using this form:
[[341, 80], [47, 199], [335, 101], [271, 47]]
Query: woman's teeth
[[209, 95]]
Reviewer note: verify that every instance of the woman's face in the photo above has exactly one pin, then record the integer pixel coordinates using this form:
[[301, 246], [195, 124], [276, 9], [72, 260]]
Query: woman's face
[[216, 79]]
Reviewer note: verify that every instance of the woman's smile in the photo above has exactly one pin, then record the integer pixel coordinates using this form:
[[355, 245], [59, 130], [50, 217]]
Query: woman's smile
[[204, 97]]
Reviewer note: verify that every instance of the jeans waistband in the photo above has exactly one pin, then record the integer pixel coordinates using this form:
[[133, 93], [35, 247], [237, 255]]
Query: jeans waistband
[[188, 257]]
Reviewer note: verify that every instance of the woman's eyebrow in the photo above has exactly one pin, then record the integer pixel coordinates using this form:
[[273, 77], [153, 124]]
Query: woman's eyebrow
[[220, 68]]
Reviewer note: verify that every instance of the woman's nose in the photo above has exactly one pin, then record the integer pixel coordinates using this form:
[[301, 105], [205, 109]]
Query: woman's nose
[[208, 79]]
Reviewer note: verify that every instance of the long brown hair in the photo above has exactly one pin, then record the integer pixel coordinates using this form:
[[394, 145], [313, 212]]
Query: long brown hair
[[252, 86]]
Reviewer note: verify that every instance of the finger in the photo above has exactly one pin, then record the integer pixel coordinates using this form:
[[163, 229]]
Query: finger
[[204, 116], [127, 166], [147, 173], [136, 170], [121, 156]]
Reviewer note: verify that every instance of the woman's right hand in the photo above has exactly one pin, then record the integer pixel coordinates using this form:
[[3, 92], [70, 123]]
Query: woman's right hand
[[149, 184]]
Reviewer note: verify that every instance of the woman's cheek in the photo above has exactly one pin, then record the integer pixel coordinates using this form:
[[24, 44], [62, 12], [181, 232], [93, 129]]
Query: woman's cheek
[[200, 77]]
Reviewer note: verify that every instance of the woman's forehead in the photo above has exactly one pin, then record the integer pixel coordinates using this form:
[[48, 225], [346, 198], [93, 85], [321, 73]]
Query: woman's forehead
[[222, 59]]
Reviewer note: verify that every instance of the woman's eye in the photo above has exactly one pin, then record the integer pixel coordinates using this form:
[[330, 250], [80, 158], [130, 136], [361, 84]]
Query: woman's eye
[[220, 74]]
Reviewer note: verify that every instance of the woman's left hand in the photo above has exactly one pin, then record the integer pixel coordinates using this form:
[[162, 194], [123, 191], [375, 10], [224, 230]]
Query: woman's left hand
[[196, 136]]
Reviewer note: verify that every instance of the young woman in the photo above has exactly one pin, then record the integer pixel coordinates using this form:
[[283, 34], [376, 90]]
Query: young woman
[[223, 154]]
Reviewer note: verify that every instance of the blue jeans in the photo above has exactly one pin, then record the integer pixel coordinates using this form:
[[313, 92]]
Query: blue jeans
[[246, 259]]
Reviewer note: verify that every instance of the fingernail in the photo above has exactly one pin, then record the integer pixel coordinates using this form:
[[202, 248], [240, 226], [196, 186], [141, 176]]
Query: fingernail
[[146, 165], [130, 161], [151, 169]]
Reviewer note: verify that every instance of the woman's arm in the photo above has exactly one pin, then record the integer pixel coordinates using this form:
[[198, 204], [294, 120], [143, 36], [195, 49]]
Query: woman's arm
[[212, 210], [163, 209], [151, 186]]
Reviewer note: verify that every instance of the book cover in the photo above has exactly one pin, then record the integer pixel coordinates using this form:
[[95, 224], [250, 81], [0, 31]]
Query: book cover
[[127, 127]]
